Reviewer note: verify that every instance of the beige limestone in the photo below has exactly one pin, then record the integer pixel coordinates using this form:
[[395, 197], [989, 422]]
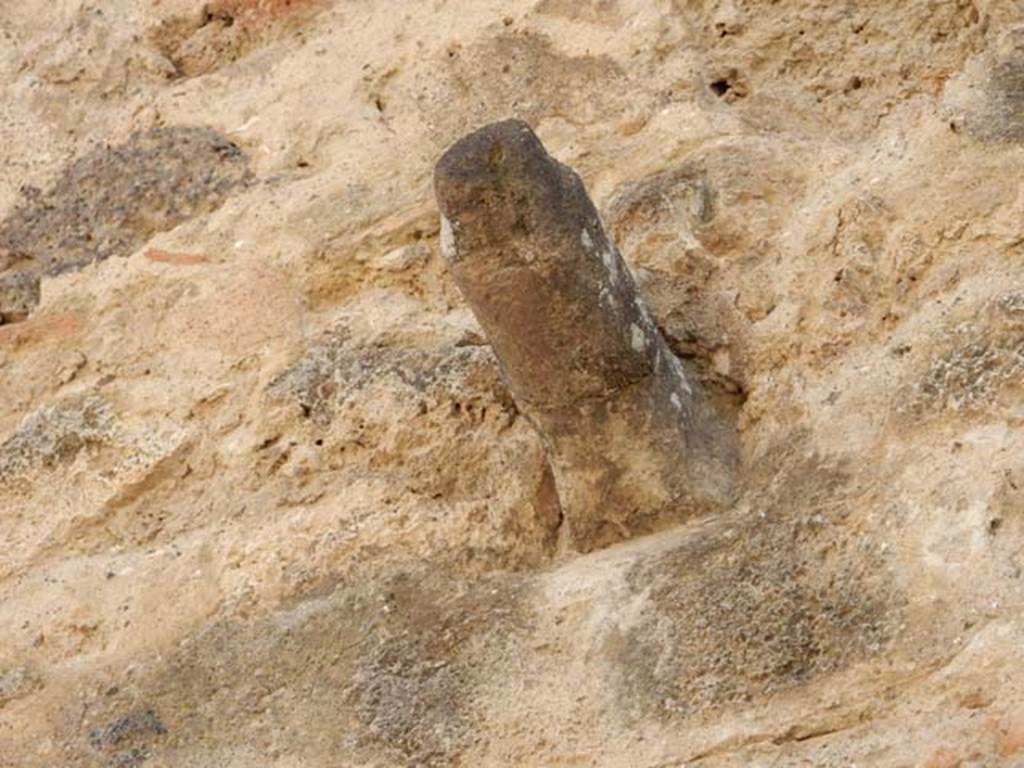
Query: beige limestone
[[267, 502]]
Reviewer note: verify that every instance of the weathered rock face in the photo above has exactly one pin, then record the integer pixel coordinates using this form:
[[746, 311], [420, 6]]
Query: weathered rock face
[[267, 497], [987, 98], [632, 440], [109, 203], [19, 294]]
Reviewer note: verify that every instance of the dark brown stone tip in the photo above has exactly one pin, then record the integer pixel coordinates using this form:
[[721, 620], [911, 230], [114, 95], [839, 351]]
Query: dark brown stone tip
[[501, 163]]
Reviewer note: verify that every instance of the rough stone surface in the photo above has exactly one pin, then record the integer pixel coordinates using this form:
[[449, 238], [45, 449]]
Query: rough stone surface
[[19, 294], [53, 435], [987, 98], [202, 39], [266, 500], [110, 202]]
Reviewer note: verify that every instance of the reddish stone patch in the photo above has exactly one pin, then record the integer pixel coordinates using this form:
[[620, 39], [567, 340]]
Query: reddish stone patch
[[59, 326], [1009, 732], [168, 257], [943, 758]]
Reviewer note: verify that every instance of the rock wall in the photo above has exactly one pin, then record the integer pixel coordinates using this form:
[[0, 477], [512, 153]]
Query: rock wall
[[265, 499]]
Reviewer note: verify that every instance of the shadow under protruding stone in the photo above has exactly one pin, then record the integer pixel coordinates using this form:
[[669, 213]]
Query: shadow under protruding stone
[[632, 442]]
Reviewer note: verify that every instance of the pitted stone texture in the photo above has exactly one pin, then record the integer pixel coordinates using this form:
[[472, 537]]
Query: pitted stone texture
[[632, 443], [111, 201], [987, 98], [19, 294]]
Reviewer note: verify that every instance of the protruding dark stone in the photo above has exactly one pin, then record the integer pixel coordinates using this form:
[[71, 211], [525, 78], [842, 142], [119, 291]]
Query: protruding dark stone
[[631, 441]]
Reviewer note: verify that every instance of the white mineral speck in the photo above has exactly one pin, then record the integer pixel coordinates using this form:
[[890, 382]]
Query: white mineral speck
[[677, 367], [585, 239], [638, 338], [448, 240], [610, 263], [607, 296]]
